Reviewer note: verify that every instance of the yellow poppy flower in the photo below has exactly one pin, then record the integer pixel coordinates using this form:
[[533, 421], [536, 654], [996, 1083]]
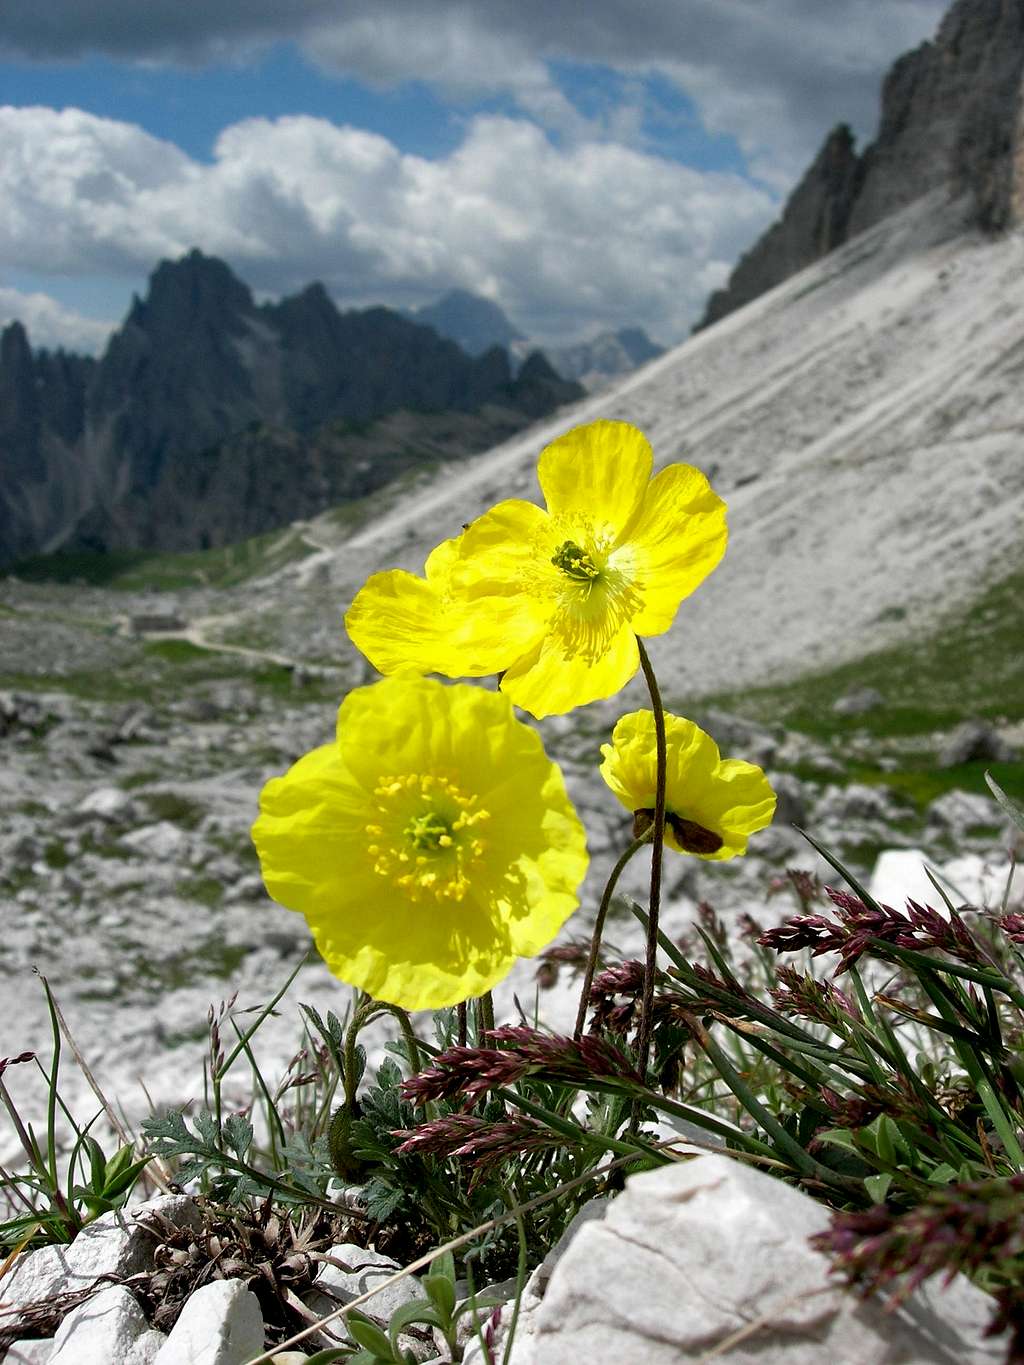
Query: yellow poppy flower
[[712, 804], [555, 599], [430, 846], [399, 620]]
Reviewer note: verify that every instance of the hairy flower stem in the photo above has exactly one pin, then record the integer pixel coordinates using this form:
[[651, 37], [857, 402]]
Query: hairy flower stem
[[462, 1015], [595, 939], [485, 1013], [643, 1043], [412, 1043], [350, 1069]]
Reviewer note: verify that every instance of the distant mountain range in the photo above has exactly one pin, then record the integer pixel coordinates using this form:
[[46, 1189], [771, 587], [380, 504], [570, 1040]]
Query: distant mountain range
[[478, 324], [210, 417]]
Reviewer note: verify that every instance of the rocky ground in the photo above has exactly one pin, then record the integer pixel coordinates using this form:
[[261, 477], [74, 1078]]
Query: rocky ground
[[130, 772]]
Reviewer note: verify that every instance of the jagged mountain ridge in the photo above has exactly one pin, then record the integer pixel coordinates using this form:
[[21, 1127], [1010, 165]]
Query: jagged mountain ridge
[[951, 120], [111, 453]]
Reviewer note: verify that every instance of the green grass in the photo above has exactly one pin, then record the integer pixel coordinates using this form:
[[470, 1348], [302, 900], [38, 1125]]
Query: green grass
[[136, 570], [180, 810], [224, 567], [923, 782], [972, 666], [206, 890]]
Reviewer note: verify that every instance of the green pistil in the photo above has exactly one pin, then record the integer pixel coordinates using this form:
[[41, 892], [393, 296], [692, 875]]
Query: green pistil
[[575, 563], [428, 832]]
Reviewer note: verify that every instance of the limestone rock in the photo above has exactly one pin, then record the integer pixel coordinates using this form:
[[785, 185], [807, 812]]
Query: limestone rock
[[858, 701], [106, 803], [334, 1287], [949, 125], [791, 801], [815, 220], [975, 740], [692, 1253], [961, 812], [161, 841], [145, 1348], [104, 1328], [220, 1325], [114, 1244], [36, 1352]]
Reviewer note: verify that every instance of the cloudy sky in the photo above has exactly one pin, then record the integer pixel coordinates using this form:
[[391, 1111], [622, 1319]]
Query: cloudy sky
[[585, 165]]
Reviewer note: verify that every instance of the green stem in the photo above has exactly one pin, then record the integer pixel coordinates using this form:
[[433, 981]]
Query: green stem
[[412, 1043], [643, 1045], [349, 1076], [485, 1014], [462, 1015], [595, 940]]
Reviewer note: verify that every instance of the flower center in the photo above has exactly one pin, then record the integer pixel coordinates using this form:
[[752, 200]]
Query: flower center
[[575, 562], [422, 835], [428, 831], [594, 594]]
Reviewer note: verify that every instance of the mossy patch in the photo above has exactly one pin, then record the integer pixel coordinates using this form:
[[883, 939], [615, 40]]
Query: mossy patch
[[173, 806]]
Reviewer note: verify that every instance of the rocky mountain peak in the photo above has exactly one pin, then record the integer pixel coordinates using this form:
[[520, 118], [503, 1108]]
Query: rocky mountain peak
[[475, 323], [951, 122], [15, 352], [194, 291]]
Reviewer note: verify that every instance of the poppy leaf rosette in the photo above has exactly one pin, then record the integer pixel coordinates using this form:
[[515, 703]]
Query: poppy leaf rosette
[[428, 847], [712, 804], [554, 598]]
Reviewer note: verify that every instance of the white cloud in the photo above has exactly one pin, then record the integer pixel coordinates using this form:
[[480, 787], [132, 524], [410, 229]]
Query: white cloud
[[773, 76], [563, 237], [49, 324]]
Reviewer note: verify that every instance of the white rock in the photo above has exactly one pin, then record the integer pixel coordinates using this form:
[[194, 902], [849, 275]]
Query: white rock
[[959, 811], [899, 875], [334, 1286], [495, 1330], [118, 1243], [110, 803], [692, 1253], [112, 1245], [100, 1331], [220, 1325], [30, 1352], [145, 1348], [162, 840]]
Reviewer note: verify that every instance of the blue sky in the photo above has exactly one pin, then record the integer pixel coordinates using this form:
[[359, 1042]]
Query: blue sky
[[584, 166]]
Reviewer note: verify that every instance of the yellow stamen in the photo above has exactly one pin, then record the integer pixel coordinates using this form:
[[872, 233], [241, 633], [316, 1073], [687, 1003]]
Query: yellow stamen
[[417, 835]]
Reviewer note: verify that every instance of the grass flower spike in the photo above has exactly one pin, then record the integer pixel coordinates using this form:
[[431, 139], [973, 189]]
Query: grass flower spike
[[712, 804], [430, 846], [554, 599]]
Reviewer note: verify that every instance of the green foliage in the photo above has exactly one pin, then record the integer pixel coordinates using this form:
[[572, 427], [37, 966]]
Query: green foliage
[[55, 1206], [139, 570]]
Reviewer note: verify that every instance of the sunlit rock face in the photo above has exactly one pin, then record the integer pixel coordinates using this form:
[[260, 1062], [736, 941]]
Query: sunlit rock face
[[950, 120]]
